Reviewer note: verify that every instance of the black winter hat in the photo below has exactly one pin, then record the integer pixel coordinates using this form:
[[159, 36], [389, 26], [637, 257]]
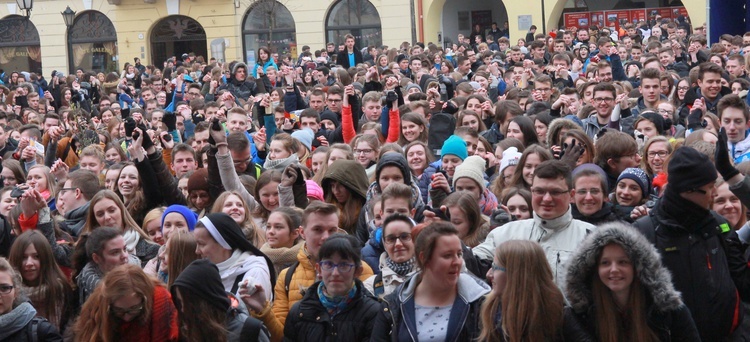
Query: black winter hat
[[397, 160], [689, 170], [329, 115], [202, 279], [657, 120]]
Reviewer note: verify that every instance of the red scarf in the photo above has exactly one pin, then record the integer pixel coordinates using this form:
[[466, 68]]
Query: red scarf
[[161, 327]]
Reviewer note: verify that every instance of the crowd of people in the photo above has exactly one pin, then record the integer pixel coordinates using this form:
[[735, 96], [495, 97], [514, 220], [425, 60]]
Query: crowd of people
[[578, 185]]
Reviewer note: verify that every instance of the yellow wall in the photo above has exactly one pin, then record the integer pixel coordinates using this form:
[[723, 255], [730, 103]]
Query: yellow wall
[[134, 19], [433, 10]]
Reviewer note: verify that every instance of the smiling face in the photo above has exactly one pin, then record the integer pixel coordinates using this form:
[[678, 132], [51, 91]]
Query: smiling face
[[269, 196], [628, 193], [446, 260], [616, 270], [399, 251], [37, 179], [410, 130], [128, 181], [173, 222], [532, 160], [657, 154], [555, 201], [726, 204], [588, 195]]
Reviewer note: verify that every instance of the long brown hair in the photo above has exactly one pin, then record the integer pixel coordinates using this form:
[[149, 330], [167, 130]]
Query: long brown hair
[[611, 324], [199, 319], [517, 179], [52, 281], [95, 322], [180, 252], [267, 177], [137, 203], [127, 221], [478, 224], [529, 300]]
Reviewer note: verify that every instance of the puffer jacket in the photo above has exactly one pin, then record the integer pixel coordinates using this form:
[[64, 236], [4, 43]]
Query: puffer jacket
[[706, 260], [666, 315], [396, 320], [309, 319], [559, 237], [304, 276]]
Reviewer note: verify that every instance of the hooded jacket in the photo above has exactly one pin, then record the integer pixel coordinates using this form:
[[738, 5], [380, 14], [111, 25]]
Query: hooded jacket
[[353, 176], [396, 320], [559, 237], [666, 315], [240, 89]]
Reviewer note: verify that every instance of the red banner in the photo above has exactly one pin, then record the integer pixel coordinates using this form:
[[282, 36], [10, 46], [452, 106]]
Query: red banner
[[663, 12], [579, 20]]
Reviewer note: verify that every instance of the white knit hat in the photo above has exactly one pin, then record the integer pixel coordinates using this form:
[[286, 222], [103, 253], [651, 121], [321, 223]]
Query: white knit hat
[[511, 156], [472, 167]]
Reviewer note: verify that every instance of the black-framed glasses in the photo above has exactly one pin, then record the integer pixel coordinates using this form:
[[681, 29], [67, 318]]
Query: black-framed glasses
[[391, 239], [552, 192], [133, 310], [343, 267], [5, 289]]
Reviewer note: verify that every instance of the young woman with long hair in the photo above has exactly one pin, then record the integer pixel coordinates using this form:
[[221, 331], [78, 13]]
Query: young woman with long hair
[[267, 193], [366, 151], [106, 210], [130, 190], [18, 312], [413, 128], [283, 240], [232, 204], [440, 289], [40, 178], [44, 282], [13, 173], [524, 173], [345, 185], [265, 60], [282, 152], [466, 216], [524, 297], [522, 128], [335, 152], [179, 254], [129, 306], [620, 291], [419, 157], [727, 204]]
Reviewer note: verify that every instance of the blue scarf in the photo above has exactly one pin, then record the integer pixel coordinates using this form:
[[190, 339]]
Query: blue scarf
[[335, 304]]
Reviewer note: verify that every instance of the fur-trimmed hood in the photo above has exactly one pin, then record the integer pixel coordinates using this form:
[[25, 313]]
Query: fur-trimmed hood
[[645, 260]]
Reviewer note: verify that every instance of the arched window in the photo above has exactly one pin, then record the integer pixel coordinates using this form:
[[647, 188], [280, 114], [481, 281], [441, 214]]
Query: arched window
[[176, 35], [356, 17], [92, 43], [19, 45], [268, 23]]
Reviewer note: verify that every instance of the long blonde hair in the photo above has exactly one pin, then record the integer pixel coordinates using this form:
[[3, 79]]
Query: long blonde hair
[[249, 228], [529, 300]]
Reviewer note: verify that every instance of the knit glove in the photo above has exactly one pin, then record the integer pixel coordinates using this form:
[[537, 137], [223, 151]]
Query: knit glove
[[198, 118], [390, 97], [129, 127], [722, 159], [147, 142], [571, 153], [170, 120]]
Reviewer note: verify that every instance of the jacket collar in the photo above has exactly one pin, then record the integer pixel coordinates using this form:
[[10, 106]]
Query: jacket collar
[[555, 224]]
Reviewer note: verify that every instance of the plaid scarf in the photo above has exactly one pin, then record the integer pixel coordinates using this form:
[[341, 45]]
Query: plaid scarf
[[401, 268], [335, 304]]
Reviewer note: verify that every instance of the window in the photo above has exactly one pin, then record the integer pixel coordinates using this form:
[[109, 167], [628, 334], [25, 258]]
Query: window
[[92, 43], [356, 17], [19, 45], [268, 23]]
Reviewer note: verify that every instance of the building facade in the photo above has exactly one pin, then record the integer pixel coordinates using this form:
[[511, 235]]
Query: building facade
[[106, 34]]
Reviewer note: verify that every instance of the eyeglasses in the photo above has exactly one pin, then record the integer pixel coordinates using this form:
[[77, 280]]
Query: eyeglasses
[[552, 192], [603, 99], [391, 239], [496, 267], [661, 154], [365, 151], [120, 312], [683, 88], [343, 267], [5, 289], [334, 100], [584, 192], [664, 111]]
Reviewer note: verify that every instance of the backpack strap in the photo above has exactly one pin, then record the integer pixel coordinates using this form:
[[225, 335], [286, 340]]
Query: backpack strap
[[236, 284], [377, 285], [250, 329], [33, 327], [288, 277]]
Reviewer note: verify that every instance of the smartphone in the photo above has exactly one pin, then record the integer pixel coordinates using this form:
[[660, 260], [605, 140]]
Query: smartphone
[[17, 192]]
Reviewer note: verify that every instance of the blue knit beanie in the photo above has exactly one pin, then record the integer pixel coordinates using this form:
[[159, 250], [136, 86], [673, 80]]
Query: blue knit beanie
[[456, 146], [190, 217], [639, 177]]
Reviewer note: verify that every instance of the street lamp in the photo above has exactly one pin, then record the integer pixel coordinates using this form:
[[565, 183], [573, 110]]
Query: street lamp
[[68, 15], [26, 5]]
